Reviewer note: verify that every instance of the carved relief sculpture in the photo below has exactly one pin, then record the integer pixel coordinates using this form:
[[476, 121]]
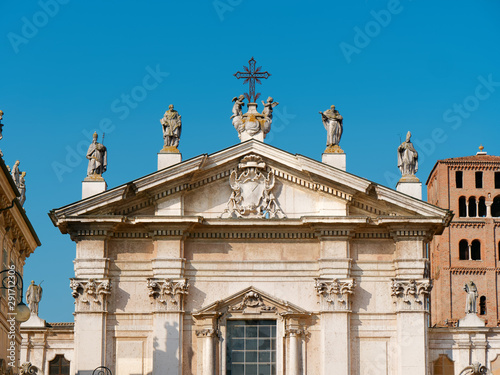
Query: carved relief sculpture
[[252, 195], [90, 294], [410, 294], [28, 369], [167, 293], [252, 300], [335, 292], [252, 123], [475, 369]]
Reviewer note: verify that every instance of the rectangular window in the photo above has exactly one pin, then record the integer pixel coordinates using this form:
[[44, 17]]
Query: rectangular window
[[497, 180], [479, 180], [251, 347], [459, 178]]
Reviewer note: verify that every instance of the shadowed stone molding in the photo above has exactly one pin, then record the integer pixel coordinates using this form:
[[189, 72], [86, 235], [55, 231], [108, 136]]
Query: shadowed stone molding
[[411, 294], [335, 294], [168, 294], [90, 294], [252, 300], [28, 369]]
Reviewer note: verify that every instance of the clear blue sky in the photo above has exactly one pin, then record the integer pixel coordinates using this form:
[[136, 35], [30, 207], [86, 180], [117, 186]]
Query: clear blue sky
[[389, 66]]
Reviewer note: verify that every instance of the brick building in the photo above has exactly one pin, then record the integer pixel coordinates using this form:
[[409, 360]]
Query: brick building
[[469, 249]]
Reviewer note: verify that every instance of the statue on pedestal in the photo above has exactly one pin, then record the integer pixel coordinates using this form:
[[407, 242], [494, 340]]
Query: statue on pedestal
[[33, 297], [470, 304], [407, 157], [1, 125], [98, 158], [172, 126], [333, 123]]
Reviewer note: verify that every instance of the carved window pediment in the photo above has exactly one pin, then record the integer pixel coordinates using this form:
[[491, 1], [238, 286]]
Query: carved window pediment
[[251, 301]]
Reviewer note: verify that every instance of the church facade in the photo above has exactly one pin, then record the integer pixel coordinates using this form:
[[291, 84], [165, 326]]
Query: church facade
[[251, 260]]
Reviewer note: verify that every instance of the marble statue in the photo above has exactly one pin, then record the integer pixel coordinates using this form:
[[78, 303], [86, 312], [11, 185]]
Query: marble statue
[[470, 304], [237, 116], [22, 188], [407, 157], [172, 126], [98, 158], [268, 113], [33, 297], [14, 172], [332, 121]]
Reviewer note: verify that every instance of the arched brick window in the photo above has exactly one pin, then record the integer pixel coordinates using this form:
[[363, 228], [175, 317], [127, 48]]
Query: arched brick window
[[481, 207], [463, 248], [482, 305], [472, 207], [462, 207], [495, 207], [475, 250]]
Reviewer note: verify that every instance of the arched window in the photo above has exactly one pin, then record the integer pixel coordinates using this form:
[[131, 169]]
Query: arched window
[[495, 207], [463, 248], [481, 207], [444, 366], [482, 305], [462, 207], [472, 207], [475, 250], [59, 366]]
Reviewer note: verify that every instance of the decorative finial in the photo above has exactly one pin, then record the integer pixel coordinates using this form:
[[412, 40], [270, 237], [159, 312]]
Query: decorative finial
[[481, 152], [481, 148]]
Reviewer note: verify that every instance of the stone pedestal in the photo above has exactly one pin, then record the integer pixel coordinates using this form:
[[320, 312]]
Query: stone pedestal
[[337, 160], [33, 321], [413, 187], [168, 158], [471, 320], [92, 186]]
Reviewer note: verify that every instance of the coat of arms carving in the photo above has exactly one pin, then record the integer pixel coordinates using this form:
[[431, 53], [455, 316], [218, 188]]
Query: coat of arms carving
[[252, 195]]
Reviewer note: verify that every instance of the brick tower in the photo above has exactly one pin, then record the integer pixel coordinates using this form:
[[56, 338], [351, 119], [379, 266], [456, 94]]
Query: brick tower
[[469, 249]]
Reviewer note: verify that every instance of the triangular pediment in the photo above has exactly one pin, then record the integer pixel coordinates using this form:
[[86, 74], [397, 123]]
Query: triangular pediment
[[202, 187], [250, 301]]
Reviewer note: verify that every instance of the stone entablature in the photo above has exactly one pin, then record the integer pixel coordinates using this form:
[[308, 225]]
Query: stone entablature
[[168, 294], [90, 294], [411, 294], [335, 294]]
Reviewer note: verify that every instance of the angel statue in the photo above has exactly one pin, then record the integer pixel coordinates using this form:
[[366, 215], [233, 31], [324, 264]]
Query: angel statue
[[238, 113], [268, 113]]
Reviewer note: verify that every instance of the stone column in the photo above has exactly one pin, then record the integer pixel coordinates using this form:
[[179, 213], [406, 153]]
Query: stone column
[[168, 296], [90, 322], [90, 288], [168, 289], [335, 295], [294, 335], [335, 287], [208, 361]]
